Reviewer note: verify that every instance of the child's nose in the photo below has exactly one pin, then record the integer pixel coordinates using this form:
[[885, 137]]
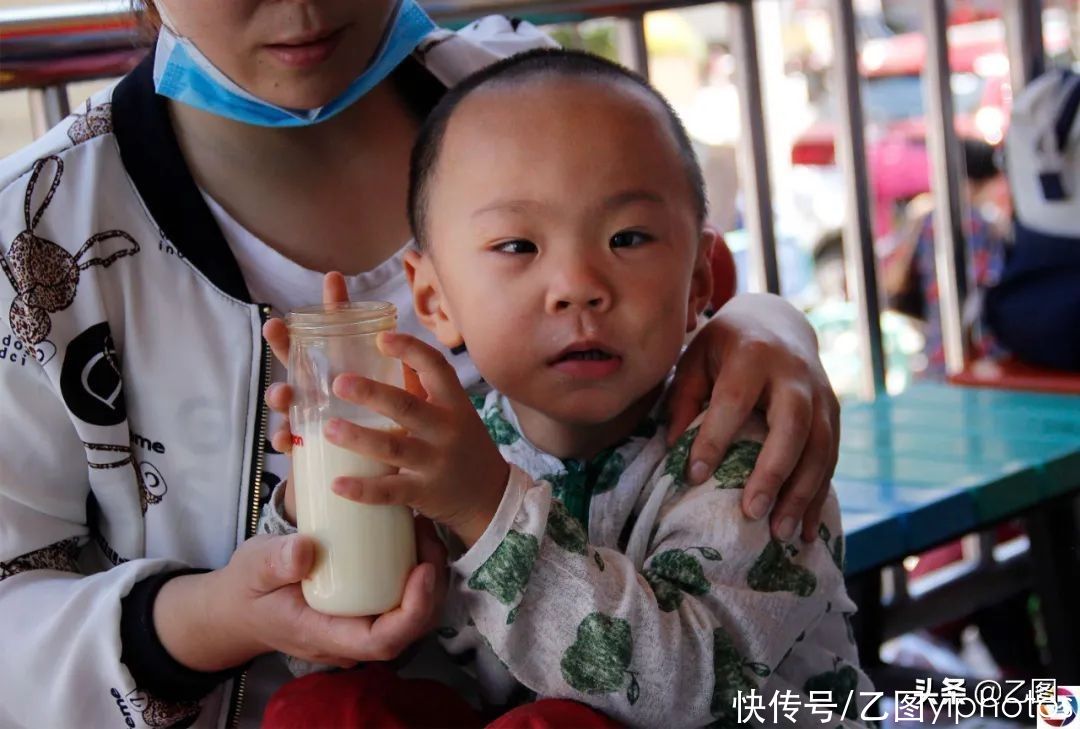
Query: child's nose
[[578, 287]]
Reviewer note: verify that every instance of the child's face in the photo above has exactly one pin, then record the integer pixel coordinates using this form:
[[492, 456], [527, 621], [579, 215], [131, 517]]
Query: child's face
[[296, 54], [564, 246]]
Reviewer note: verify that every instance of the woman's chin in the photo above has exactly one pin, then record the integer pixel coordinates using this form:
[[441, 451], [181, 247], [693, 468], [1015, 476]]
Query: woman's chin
[[287, 91], [299, 100]]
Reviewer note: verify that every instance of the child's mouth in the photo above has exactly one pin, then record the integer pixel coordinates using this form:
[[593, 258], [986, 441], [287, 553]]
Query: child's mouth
[[589, 355], [587, 363]]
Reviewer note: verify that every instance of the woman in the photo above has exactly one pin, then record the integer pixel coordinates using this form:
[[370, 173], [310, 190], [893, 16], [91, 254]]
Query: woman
[[133, 369]]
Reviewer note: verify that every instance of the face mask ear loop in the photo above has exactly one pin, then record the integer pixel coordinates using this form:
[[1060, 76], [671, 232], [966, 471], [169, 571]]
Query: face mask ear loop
[[166, 19], [387, 32]]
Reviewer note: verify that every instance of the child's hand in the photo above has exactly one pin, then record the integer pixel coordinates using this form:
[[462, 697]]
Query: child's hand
[[449, 468]]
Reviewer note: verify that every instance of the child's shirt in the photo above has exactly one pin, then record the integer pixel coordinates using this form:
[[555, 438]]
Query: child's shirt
[[615, 583]]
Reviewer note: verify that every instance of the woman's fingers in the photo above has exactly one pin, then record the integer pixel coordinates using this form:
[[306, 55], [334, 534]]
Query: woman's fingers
[[275, 331], [831, 419], [282, 440], [689, 389], [279, 397], [812, 520], [393, 631], [386, 636], [332, 639], [276, 334], [734, 394], [267, 563], [334, 289], [785, 444], [431, 550], [392, 447], [793, 504], [796, 472], [266, 571], [407, 410]]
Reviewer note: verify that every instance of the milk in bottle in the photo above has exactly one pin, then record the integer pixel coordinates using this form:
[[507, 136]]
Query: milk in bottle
[[365, 552]]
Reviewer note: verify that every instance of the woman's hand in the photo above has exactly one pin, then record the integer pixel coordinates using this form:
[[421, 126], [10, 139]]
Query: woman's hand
[[276, 333], [278, 398], [279, 394], [449, 469], [759, 352], [253, 605]]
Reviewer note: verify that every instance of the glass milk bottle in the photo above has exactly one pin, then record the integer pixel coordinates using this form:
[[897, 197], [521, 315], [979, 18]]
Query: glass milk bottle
[[365, 551]]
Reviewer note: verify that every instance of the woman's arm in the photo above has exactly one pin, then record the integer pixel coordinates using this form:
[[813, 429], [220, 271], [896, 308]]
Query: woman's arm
[[760, 352], [62, 645]]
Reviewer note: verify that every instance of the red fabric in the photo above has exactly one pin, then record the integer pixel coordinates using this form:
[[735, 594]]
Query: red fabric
[[374, 696], [952, 552], [724, 276], [1012, 374], [553, 714]]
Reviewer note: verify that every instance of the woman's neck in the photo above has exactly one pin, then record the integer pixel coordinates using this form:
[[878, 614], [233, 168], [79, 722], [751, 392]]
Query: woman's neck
[[574, 440], [330, 196]]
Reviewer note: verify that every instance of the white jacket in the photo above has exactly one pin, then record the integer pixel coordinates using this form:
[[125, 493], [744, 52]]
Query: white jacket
[[131, 379]]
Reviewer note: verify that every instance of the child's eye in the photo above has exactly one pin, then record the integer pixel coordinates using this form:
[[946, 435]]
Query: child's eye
[[629, 238], [518, 245]]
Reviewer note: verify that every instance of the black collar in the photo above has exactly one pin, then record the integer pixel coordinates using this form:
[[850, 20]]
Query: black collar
[[152, 157]]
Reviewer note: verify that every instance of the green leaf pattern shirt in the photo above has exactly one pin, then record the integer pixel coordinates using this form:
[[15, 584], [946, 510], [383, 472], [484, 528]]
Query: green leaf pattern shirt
[[648, 599], [653, 601]]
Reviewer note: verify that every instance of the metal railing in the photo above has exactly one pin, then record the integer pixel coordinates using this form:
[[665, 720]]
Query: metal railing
[[859, 254], [43, 49]]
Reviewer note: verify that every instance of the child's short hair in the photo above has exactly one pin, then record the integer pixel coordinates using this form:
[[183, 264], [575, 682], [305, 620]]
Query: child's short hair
[[539, 62]]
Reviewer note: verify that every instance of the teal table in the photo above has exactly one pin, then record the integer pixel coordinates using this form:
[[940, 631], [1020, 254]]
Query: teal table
[[938, 461]]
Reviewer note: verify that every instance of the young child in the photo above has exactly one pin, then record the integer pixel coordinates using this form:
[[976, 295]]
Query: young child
[[558, 210]]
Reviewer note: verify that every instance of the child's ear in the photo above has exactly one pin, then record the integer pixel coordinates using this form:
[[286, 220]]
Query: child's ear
[[428, 299], [701, 283]]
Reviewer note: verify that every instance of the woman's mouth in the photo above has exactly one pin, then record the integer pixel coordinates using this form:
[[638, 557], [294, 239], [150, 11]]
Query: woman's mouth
[[306, 51]]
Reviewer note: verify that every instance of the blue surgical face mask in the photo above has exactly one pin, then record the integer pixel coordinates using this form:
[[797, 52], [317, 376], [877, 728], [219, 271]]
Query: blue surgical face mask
[[184, 74]]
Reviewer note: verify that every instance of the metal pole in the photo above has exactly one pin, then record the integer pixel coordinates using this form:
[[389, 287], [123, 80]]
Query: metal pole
[[753, 150], [639, 48], [1024, 41], [48, 106], [858, 229], [950, 244]]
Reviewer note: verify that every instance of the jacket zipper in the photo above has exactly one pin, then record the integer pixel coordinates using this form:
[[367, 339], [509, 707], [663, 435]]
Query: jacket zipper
[[258, 463]]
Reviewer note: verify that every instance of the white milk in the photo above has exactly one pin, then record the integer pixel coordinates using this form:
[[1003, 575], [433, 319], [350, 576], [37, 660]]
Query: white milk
[[365, 551]]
